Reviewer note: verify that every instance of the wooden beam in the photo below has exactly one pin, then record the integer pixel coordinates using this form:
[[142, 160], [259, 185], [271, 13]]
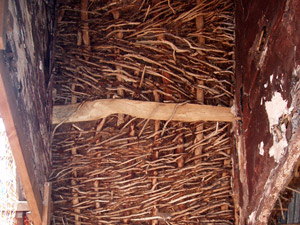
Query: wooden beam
[[19, 144], [47, 204], [97, 109], [3, 9], [22, 206]]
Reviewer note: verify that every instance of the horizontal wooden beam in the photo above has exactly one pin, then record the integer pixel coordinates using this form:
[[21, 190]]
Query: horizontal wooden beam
[[3, 9], [22, 206], [97, 109], [19, 144]]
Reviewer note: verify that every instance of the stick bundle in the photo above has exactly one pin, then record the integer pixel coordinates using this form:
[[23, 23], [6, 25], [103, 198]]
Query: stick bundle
[[137, 170]]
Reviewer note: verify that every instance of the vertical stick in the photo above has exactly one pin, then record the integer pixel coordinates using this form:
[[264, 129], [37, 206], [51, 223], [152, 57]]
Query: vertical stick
[[131, 134], [97, 205], [156, 128], [96, 183], [75, 200], [155, 156], [227, 162], [199, 91], [180, 149], [85, 26], [200, 25], [180, 140], [116, 15]]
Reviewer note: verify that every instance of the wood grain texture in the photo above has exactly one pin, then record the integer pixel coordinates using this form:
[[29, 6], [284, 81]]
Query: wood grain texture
[[261, 179], [19, 145], [97, 109]]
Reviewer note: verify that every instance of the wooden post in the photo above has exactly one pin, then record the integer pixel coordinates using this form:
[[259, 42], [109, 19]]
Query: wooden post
[[47, 204], [19, 144]]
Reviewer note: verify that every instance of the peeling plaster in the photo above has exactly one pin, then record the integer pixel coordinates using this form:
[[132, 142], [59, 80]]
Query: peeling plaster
[[271, 78], [252, 217], [296, 71], [278, 149], [276, 108], [261, 148]]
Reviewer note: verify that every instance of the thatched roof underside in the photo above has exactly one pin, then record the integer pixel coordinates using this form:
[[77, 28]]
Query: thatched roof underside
[[125, 170]]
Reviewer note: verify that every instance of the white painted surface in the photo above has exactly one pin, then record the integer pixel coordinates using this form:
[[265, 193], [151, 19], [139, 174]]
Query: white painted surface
[[261, 148], [271, 78], [252, 217], [276, 108], [296, 71]]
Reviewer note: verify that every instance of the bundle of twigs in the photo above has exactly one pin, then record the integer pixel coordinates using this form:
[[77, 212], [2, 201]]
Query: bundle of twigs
[[124, 170]]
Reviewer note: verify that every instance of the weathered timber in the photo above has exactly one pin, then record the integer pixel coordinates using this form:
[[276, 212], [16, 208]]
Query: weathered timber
[[26, 60], [97, 109], [270, 51], [19, 145]]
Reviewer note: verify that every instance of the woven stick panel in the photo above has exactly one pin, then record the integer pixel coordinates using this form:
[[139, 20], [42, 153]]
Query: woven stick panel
[[119, 180], [133, 48], [125, 170]]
